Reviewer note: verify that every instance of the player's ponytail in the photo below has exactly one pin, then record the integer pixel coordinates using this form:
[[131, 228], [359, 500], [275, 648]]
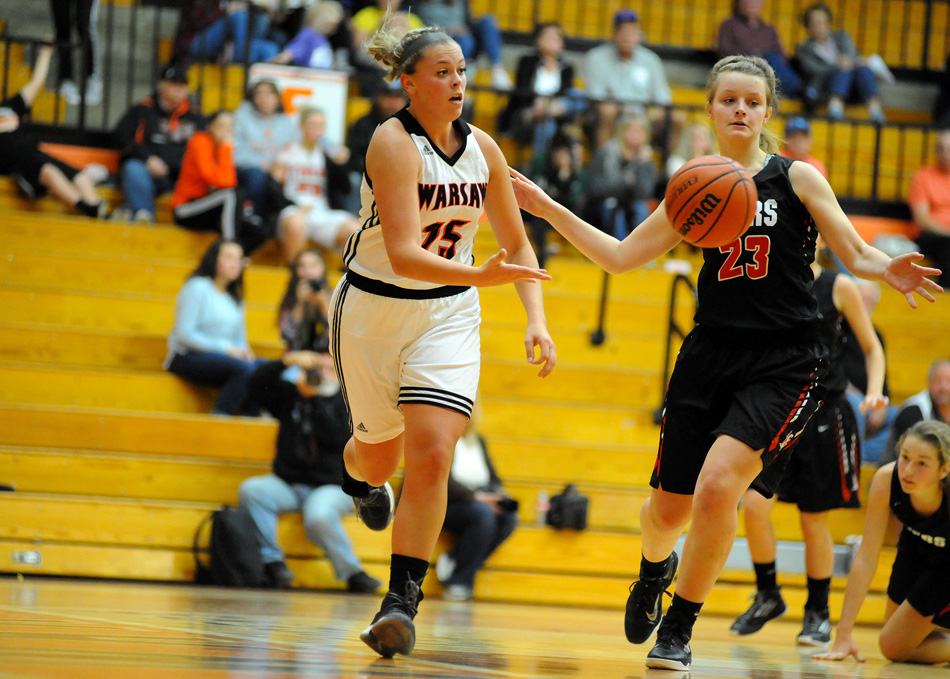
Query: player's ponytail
[[399, 51], [758, 67]]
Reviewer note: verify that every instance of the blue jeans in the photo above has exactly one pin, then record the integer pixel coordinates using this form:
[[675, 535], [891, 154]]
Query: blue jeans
[[322, 509], [253, 184], [139, 188], [860, 79], [619, 221], [209, 369], [872, 447], [480, 530], [791, 83], [485, 37], [209, 43]]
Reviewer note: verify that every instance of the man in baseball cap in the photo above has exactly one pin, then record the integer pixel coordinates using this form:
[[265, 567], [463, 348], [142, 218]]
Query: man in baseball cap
[[798, 141]]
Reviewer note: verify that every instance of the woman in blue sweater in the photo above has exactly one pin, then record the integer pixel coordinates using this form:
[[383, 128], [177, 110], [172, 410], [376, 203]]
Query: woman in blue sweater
[[208, 344]]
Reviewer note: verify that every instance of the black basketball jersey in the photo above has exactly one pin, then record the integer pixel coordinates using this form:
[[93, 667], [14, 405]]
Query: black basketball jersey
[[925, 536], [829, 331], [762, 282]]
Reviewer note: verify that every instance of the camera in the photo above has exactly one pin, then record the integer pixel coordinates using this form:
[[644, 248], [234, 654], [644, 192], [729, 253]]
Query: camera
[[317, 284], [314, 377]]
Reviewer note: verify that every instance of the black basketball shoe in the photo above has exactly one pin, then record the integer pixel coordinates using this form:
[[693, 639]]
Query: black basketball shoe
[[671, 651], [767, 604], [376, 510], [393, 630], [816, 630], [645, 604]]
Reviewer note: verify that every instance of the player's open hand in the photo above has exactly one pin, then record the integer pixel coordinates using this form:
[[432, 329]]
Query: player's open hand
[[537, 336], [531, 198], [908, 277], [842, 648], [872, 402], [495, 271]]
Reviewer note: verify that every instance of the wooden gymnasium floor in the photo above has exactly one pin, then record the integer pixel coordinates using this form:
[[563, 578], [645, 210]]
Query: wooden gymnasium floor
[[105, 630]]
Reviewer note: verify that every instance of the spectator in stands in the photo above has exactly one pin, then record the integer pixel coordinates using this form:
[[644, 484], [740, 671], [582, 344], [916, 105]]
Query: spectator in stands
[[152, 137], [542, 99], [929, 200], [479, 513], [314, 176], [697, 140], [386, 101], [205, 196], [261, 131], [798, 142], [560, 172], [310, 47], [207, 27], [83, 15], [745, 32], [208, 343], [933, 403], [475, 36], [830, 62], [625, 77], [301, 390], [37, 172], [621, 178], [364, 23], [306, 302]]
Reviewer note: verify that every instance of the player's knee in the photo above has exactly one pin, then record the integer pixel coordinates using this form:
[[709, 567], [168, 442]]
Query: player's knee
[[715, 492], [894, 647], [431, 461]]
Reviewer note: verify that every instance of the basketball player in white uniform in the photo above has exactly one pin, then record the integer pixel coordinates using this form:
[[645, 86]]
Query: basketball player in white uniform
[[404, 319]]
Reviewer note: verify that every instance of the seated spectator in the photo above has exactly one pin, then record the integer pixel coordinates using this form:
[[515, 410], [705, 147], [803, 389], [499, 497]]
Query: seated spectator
[[933, 403], [929, 201], [206, 27], [474, 36], [544, 83], [152, 137], [261, 131], [310, 47], [798, 142], [833, 68], [306, 303], [697, 140], [622, 177], [34, 171], [479, 514], [625, 77], [369, 73], [560, 172], [208, 343], [302, 392], [314, 177], [745, 32], [387, 101]]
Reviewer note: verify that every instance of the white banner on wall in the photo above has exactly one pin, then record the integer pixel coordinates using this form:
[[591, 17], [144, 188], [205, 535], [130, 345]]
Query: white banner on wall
[[326, 90]]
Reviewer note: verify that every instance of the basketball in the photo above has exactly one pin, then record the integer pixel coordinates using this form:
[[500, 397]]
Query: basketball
[[711, 201]]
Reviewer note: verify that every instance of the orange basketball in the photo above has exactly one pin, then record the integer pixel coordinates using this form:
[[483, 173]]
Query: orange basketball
[[710, 201]]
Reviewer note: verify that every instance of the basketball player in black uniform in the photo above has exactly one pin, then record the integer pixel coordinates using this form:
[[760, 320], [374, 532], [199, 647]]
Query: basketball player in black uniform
[[750, 374], [824, 471], [911, 497]]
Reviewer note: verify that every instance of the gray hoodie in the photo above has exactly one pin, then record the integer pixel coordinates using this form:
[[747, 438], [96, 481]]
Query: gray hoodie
[[259, 138]]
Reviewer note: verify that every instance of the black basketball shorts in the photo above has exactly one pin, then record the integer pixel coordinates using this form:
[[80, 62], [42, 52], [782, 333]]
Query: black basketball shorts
[[925, 586], [756, 392], [823, 472]]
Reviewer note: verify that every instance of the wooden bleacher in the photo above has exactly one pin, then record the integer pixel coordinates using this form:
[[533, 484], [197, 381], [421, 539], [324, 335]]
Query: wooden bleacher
[[114, 463]]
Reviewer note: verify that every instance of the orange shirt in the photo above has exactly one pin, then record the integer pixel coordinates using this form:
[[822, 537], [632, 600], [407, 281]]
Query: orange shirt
[[811, 160], [205, 168], [931, 185]]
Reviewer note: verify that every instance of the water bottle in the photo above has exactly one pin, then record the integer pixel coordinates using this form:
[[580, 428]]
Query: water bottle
[[541, 507]]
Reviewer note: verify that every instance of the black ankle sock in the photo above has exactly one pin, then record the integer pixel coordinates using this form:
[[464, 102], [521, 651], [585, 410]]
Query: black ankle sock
[[402, 569], [765, 576], [653, 569], [87, 208], [354, 488], [683, 613], [818, 594]]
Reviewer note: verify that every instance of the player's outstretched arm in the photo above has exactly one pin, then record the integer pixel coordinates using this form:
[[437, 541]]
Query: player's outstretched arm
[[861, 259], [648, 241]]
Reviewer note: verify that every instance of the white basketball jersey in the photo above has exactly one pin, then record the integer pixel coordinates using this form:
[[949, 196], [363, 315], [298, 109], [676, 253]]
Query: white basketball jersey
[[305, 182], [451, 201]]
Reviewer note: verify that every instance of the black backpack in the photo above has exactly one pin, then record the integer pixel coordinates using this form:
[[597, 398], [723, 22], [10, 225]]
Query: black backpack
[[234, 550]]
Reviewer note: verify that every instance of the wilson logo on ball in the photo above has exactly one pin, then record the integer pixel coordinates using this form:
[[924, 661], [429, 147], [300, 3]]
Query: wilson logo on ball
[[698, 216]]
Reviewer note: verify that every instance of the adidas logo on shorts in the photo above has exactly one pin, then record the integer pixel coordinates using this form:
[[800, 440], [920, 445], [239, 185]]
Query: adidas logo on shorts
[[361, 428]]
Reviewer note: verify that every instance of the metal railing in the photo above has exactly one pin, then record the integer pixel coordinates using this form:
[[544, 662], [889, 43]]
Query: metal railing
[[673, 330]]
